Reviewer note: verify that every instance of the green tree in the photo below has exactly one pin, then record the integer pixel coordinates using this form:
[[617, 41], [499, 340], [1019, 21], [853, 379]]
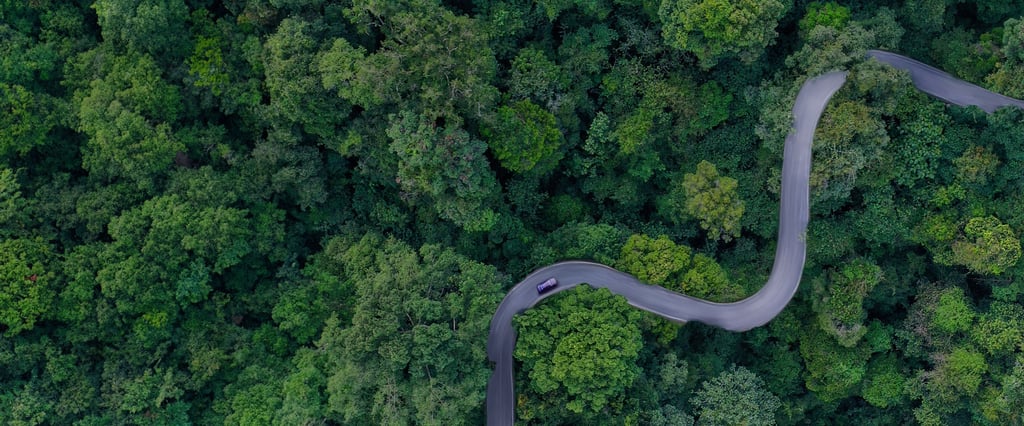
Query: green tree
[[849, 137], [833, 372], [26, 118], [660, 261], [29, 279], [840, 303], [533, 76], [953, 314], [26, 61], [961, 371], [1007, 77], [883, 386], [597, 8], [415, 351], [657, 261], [446, 165], [829, 14], [12, 204], [927, 16], [207, 65], [294, 84], [735, 397], [580, 352], [127, 114], [711, 199], [716, 29], [987, 246], [155, 27], [524, 137], [997, 330], [430, 59], [601, 242]]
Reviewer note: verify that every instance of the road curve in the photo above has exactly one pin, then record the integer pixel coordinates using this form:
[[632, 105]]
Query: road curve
[[947, 88], [790, 251]]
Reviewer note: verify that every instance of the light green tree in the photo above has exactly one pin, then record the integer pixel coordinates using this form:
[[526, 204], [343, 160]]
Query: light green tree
[[987, 246], [715, 29], [660, 261], [952, 314], [735, 397], [581, 350], [712, 200], [829, 14]]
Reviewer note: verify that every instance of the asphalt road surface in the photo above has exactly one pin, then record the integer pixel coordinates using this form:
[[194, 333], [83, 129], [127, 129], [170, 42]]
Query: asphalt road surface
[[790, 251], [941, 85]]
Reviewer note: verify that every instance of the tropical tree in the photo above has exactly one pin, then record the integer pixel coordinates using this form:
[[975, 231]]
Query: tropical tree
[[580, 352], [415, 350], [524, 137], [987, 246], [735, 397], [29, 279], [717, 29], [712, 200]]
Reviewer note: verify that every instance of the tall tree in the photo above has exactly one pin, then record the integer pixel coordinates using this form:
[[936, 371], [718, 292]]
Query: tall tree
[[713, 201], [155, 27], [987, 246], [735, 397], [29, 277], [524, 137], [447, 166], [293, 81], [27, 119], [580, 353], [660, 261], [716, 29], [415, 352], [840, 303], [127, 113], [430, 59]]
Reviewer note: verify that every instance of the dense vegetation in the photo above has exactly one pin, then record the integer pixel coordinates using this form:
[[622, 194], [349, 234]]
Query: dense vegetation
[[305, 211]]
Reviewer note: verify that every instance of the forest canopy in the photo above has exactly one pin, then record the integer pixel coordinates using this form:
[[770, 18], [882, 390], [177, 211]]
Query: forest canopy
[[306, 211]]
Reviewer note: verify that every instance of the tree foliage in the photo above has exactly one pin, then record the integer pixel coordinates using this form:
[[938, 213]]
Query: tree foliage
[[305, 211], [414, 352], [525, 138], [987, 246], [736, 396], [712, 199], [582, 352], [716, 29]]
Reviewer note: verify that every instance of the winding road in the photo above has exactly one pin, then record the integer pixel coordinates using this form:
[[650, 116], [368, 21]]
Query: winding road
[[790, 252]]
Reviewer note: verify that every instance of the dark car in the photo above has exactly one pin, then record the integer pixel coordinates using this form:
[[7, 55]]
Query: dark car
[[549, 284]]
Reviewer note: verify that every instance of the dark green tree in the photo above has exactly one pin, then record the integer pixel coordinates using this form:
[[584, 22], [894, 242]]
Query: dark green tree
[[127, 115], [525, 138], [29, 277], [415, 351], [155, 27], [447, 166]]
